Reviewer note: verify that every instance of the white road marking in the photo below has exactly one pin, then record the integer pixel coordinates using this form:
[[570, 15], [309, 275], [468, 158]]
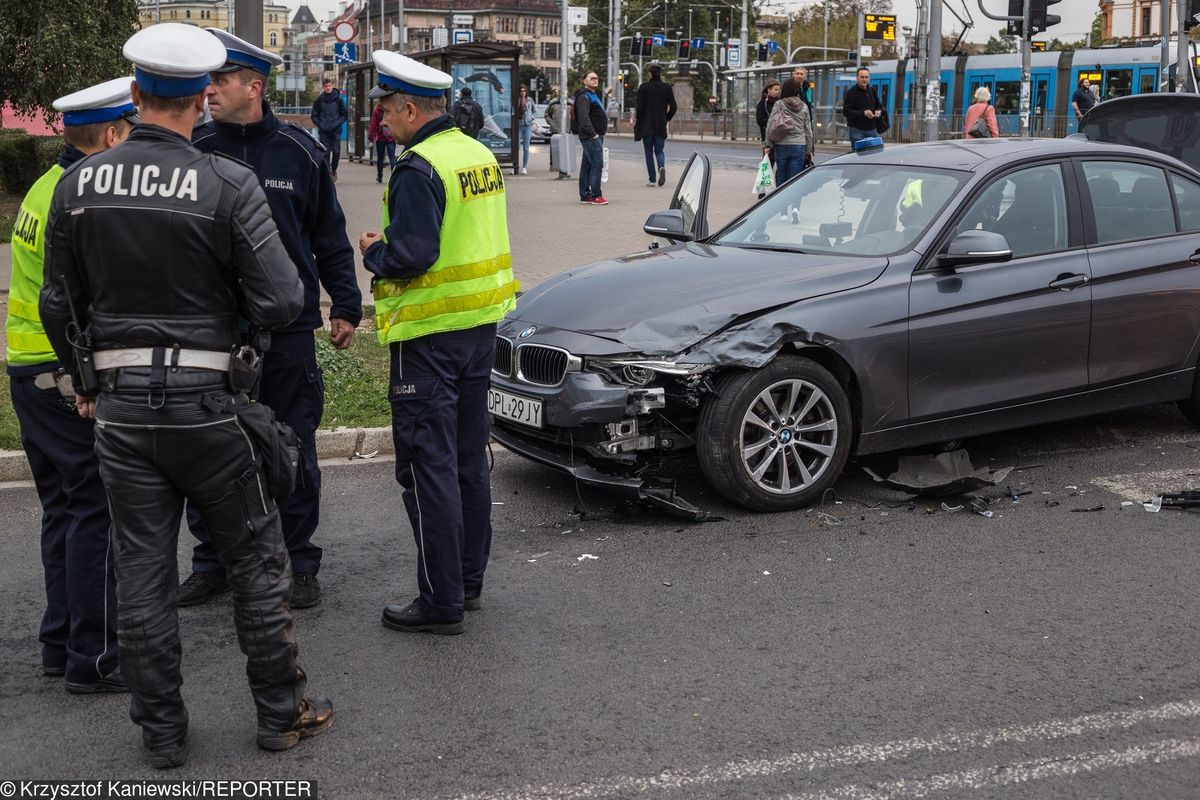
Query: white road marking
[[1141, 486], [1023, 773], [847, 755]]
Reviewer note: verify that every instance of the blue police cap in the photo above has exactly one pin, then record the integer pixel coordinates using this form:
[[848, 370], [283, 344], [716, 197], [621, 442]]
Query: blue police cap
[[103, 102], [172, 59], [240, 54]]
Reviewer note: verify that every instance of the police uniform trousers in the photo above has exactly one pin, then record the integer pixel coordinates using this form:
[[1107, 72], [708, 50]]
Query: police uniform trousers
[[293, 387], [151, 460], [440, 425], [79, 628]]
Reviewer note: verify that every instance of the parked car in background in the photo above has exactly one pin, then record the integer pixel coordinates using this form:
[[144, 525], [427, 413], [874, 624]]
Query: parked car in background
[[541, 127], [924, 293]]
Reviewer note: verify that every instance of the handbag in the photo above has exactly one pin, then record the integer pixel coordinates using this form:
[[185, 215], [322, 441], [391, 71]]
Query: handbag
[[780, 126], [980, 129], [881, 122]]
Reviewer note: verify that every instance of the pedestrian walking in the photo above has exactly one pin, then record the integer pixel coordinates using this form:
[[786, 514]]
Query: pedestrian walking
[[655, 108], [1084, 99], [305, 208], [980, 121], [861, 107], [789, 132], [78, 632], [381, 137], [525, 126], [173, 421], [762, 112], [443, 279], [328, 115], [800, 74], [467, 114], [589, 122]]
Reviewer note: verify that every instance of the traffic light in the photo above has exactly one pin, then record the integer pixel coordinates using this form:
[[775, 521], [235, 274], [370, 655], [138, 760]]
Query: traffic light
[[1193, 11], [685, 49], [762, 51], [648, 46], [627, 77], [635, 47], [1039, 20], [1016, 8]]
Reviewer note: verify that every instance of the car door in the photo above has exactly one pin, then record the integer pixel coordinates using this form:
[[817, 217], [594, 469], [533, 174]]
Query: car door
[[1142, 224], [996, 334]]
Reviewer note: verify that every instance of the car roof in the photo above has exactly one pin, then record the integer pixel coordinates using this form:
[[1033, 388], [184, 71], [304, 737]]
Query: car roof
[[982, 155]]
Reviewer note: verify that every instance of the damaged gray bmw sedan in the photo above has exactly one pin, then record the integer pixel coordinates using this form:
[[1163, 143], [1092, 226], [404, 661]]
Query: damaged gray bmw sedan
[[909, 296]]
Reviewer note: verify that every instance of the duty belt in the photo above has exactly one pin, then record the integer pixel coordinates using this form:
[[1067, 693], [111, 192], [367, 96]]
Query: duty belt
[[144, 357]]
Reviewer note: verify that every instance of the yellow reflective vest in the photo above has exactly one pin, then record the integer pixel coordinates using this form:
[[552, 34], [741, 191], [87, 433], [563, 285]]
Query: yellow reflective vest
[[472, 282], [26, 339]]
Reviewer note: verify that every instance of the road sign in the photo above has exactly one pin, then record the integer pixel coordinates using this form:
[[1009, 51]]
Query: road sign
[[463, 35], [659, 39], [733, 53], [772, 46], [289, 83], [441, 37], [345, 53], [698, 43], [879, 26], [577, 15], [462, 19], [865, 51], [345, 31]]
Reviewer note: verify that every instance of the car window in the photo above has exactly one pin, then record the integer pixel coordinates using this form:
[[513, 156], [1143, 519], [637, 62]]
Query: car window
[[1129, 201], [1027, 207], [848, 209], [1187, 199], [690, 190]]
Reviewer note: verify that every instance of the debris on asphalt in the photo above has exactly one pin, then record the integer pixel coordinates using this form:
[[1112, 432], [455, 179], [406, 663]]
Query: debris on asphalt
[[828, 519], [1189, 498], [1016, 495], [980, 506], [1154, 506], [941, 475], [667, 583], [1126, 504], [357, 454], [1087, 510], [588, 557], [765, 572], [951, 509]]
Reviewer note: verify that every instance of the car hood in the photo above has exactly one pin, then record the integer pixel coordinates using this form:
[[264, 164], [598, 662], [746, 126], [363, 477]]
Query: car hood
[[1165, 123], [664, 301]]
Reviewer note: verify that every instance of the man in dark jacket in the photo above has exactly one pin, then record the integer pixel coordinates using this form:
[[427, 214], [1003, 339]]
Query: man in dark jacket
[[312, 227], [655, 108], [328, 114], [467, 114], [158, 251], [590, 123], [861, 107]]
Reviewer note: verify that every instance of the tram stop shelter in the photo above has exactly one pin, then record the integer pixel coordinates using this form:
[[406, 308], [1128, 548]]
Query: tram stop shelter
[[488, 69]]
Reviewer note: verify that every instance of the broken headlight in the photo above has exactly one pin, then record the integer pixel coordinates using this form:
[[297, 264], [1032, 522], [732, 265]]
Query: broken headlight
[[641, 371]]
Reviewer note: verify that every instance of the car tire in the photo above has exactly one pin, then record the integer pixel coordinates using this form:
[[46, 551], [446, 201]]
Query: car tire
[[1191, 405], [775, 438]]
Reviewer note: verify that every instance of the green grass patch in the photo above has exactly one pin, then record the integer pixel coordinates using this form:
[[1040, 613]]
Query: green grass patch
[[356, 382], [10, 432]]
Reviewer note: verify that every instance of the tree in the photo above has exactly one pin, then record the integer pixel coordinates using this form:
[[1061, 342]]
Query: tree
[[1002, 43], [55, 47]]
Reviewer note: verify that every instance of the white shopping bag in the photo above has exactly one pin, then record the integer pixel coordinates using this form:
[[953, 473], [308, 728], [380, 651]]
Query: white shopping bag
[[604, 170], [764, 180]]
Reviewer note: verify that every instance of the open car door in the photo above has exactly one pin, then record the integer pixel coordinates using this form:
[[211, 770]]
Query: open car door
[[686, 219], [1165, 123]]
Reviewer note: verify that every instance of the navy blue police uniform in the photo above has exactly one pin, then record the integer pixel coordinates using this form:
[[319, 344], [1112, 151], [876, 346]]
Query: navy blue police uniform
[[293, 172]]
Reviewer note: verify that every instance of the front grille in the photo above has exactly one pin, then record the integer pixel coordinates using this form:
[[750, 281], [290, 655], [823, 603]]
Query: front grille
[[502, 365], [546, 366]]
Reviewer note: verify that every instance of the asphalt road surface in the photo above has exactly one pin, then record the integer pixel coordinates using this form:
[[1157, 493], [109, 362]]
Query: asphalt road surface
[[874, 648]]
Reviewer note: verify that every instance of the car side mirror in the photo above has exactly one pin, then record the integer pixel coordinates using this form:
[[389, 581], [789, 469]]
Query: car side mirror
[[975, 247], [668, 225]]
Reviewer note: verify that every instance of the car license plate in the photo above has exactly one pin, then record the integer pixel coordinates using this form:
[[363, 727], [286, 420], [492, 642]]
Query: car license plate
[[518, 409]]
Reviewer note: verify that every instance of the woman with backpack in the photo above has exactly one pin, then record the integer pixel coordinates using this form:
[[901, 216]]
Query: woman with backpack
[[789, 132], [980, 122]]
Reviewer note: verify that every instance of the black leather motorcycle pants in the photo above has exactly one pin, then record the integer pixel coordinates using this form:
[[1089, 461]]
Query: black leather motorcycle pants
[[151, 460]]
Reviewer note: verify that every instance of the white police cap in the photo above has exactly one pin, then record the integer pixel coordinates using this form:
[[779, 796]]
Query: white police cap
[[172, 59], [103, 102], [240, 54], [399, 73]]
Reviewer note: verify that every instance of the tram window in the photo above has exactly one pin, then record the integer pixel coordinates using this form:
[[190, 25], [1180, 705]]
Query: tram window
[[1007, 98], [1117, 83], [1149, 80]]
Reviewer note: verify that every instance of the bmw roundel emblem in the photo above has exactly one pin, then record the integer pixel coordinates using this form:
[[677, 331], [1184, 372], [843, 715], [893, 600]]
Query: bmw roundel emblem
[[525, 334]]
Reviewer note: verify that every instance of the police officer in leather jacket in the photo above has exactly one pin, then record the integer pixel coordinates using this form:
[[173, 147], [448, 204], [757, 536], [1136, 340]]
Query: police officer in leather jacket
[[157, 251]]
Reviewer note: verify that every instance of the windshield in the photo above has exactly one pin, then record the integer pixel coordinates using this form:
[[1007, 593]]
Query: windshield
[[847, 209]]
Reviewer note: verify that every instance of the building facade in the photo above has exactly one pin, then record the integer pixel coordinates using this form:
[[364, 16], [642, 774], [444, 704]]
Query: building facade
[[215, 14], [1129, 21]]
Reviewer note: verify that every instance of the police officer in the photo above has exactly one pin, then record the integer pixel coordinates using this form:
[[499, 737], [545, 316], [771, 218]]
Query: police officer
[[443, 278], [157, 251], [305, 207], [79, 629]]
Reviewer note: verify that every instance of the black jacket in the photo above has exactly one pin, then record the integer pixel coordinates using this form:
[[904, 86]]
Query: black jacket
[[761, 114], [590, 116], [305, 207], [655, 108], [328, 112], [158, 245], [855, 102]]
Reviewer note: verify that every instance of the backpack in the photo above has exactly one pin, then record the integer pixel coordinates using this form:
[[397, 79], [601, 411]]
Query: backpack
[[464, 118], [780, 125]]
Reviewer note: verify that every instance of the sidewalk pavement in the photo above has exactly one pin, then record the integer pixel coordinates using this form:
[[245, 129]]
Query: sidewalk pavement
[[550, 232]]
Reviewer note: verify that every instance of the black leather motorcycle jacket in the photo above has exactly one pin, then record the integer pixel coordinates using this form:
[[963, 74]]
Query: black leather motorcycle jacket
[[159, 245]]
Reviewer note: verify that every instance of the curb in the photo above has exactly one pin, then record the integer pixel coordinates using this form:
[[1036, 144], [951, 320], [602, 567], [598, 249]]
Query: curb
[[339, 443]]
